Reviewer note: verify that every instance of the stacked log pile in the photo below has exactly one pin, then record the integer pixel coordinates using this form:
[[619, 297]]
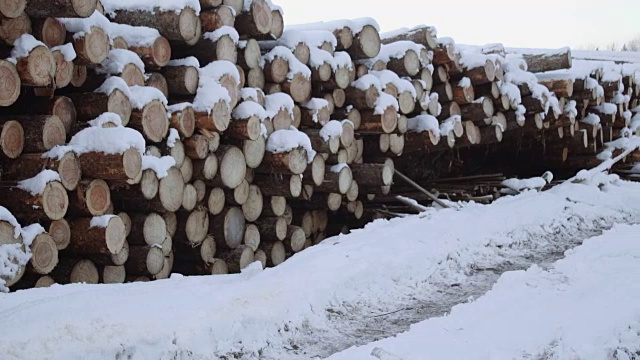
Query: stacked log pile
[[200, 136]]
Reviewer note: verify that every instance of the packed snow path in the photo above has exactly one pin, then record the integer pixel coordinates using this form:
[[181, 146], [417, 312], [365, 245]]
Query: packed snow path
[[292, 311], [584, 307]]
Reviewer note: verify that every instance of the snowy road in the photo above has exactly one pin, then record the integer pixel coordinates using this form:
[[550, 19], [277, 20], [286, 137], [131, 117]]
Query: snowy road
[[347, 291]]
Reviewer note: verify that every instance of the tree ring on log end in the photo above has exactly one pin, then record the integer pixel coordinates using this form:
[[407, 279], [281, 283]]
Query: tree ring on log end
[[369, 41], [172, 190], [84, 8], [12, 139], [96, 45], [161, 50], [45, 254], [389, 120], [232, 167], [132, 75], [9, 83], [188, 24], [119, 103], [115, 235], [154, 121], [55, 200], [60, 233], [98, 197], [132, 163], [191, 79]]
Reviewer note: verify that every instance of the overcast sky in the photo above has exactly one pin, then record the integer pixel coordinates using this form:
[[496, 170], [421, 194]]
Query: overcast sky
[[533, 23]]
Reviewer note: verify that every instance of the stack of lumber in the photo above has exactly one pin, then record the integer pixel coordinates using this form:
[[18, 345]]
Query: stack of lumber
[[196, 137]]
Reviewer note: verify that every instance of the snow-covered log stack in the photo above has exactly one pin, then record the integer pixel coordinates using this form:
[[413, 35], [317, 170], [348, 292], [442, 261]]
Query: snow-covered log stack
[[193, 136]]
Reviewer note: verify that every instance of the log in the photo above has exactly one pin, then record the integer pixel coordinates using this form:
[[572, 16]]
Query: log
[[192, 227], [214, 18], [336, 180], [184, 121], [12, 9], [92, 47], [366, 44], [12, 28], [210, 49], [203, 252], [60, 106], [362, 99], [244, 129], [91, 105], [217, 120], [272, 228], [238, 258], [424, 35], [181, 80], [44, 254], [196, 147], [155, 55], [51, 204], [11, 139], [144, 260], [478, 110], [157, 81], [49, 30], [61, 8], [88, 239], [38, 68], [180, 26], [408, 65], [481, 74], [292, 162], [252, 208], [228, 228], [42, 132], [561, 87], [215, 200], [252, 237], [463, 93], [73, 271], [151, 121], [125, 166], [239, 195], [147, 229], [10, 89], [111, 259], [255, 22], [373, 175], [295, 239], [560, 59], [110, 274], [60, 233], [275, 252], [90, 198], [299, 87], [371, 122]]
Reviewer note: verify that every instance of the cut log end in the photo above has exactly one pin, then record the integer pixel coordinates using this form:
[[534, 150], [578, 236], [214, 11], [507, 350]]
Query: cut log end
[[55, 200], [44, 254], [10, 80], [115, 235], [12, 139]]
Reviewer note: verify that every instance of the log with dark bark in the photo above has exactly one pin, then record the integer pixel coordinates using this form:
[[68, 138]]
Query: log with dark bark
[[61, 106], [366, 44], [291, 162], [181, 80], [44, 254], [372, 122], [373, 174], [91, 105], [151, 121], [38, 68], [90, 198], [41, 132], [560, 59], [336, 180], [208, 50], [182, 26], [49, 30], [256, 21], [89, 236], [125, 166], [61, 8], [214, 18], [92, 47], [217, 120], [74, 270], [424, 35], [144, 260]]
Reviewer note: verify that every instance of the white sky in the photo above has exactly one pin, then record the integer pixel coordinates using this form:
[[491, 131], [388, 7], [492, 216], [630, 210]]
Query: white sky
[[532, 23]]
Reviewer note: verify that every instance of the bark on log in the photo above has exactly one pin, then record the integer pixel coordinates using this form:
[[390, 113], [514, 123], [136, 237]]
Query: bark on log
[[214, 18], [42, 132], [255, 22], [61, 8], [336, 181], [366, 44], [91, 48], [125, 166], [562, 87], [561, 59], [238, 258], [183, 26], [362, 99], [217, 120], [90, 198], [371, 122], [151, 121], [60, 106], [207, 50], [192, 227], [91, 105], [181, 80], [144, 260], [88, 239], [49, 30], [292, 162], [373, 174]]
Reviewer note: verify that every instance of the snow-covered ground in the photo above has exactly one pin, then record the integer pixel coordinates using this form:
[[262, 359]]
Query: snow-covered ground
[[584, 307], [347, 291]]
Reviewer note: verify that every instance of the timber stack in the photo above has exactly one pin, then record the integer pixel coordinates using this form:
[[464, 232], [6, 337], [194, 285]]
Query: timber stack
[[199, 136]]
